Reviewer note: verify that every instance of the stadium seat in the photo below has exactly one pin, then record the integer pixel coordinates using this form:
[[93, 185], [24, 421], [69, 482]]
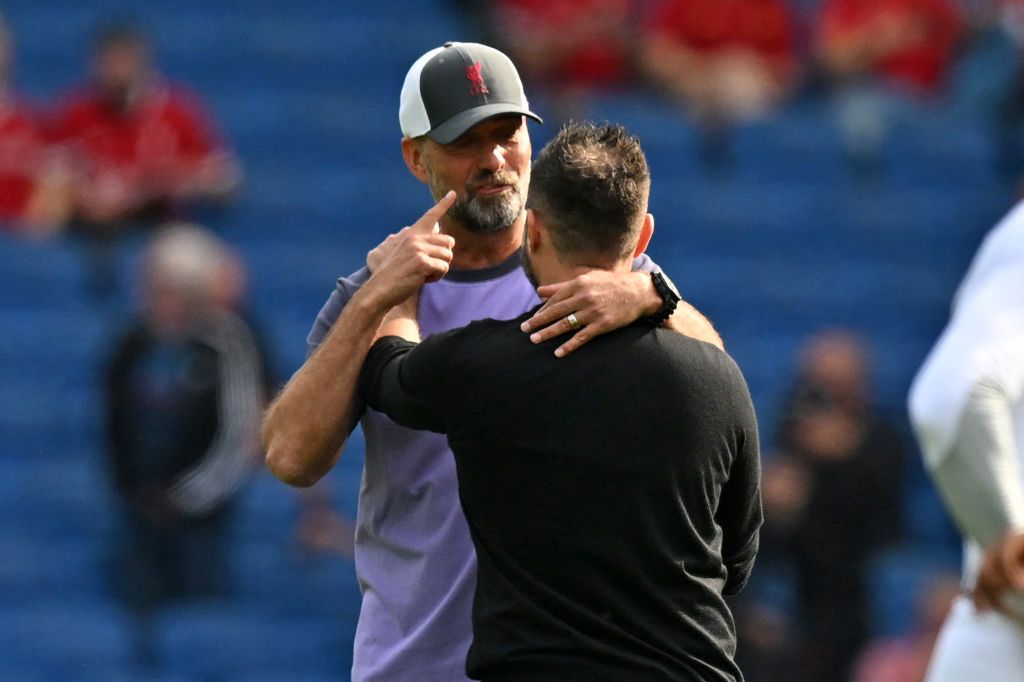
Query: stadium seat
[[286, 579], [36, 568], [798, 144], [896, 578], [221, 641], [65, 639]]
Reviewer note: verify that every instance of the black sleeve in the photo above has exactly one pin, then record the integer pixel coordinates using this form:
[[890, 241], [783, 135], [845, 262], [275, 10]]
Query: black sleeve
[[407, 381], [119, 414], [739, 511]]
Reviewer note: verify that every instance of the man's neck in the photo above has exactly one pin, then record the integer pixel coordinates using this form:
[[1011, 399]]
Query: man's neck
[[561, 272], [474, 251]]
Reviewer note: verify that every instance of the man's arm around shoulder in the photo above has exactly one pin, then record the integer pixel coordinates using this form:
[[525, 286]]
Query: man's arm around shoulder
[[602, 301]]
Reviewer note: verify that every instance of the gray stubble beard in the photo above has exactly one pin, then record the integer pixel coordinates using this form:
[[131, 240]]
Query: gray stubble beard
[[491, 216], [484, 216]]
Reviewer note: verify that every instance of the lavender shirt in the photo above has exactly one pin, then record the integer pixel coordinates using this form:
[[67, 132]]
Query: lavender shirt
[[413, 553]]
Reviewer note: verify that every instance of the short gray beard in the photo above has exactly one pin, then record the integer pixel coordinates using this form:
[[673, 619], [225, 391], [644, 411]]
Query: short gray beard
[[488, 216], [483, 215]]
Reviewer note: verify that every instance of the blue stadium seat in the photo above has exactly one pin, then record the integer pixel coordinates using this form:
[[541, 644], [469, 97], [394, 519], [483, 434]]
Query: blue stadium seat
[[798, 144], [286, 579], [53, 274], [65, 639], [37, 569], [896, 579], [221, 641], [288, 676], [937, 149], [60, 491], [267, 509], [92, 672], [928, 523]]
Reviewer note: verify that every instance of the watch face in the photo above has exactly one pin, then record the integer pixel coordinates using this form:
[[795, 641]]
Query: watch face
[[668, 291]]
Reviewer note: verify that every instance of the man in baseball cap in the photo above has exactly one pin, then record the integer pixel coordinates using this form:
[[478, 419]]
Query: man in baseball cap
[[463, 117]]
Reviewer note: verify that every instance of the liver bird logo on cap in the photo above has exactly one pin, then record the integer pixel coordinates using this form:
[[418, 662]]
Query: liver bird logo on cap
[[476, 80]]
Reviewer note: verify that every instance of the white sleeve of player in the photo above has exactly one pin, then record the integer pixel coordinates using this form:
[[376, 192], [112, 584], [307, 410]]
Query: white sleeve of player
[[229, 458], [961, 406]]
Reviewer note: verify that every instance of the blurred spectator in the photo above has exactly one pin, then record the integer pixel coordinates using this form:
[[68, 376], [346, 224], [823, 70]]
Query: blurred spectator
[[905, 659], [34, 185], [875, 51], [996, 79], [832, 498], [185, 391], [567, 48], [907, 44], [726, 61], [765, 630], [142, 148]]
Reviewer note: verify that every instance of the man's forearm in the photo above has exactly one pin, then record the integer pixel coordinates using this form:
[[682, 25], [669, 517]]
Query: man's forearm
[[306, 426], [689, 321], [401, 321], [685, 320]]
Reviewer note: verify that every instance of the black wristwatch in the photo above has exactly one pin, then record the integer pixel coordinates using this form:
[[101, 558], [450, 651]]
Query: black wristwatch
[[669, 299]]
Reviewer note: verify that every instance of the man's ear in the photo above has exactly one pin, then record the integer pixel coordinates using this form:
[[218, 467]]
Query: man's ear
[[412, 152], [646, 232], [534, 230]]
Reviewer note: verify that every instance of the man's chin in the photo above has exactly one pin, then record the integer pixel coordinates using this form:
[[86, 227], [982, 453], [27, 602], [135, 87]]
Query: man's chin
[[487, 228], [490, 218]]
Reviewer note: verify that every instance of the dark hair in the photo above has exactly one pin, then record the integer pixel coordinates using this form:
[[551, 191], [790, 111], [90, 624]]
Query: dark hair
[[591, 184]]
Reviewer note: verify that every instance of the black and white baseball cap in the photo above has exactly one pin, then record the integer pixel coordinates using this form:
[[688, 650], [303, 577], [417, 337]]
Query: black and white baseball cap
[[452, 88]]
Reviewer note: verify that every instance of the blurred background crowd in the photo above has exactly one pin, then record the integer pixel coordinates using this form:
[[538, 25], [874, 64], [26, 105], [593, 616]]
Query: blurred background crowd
[[180, 187]]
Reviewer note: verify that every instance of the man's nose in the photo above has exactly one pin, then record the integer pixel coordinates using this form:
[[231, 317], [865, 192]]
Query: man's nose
[[493, 157]]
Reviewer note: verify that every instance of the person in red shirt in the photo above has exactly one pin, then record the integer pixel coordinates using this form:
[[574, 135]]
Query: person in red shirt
[[884, 58], [726, 60], [142, 148], [567, 48], [908, 44], [34, 192]]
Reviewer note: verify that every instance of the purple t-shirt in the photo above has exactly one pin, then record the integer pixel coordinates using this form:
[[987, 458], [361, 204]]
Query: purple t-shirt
[[413, 553]]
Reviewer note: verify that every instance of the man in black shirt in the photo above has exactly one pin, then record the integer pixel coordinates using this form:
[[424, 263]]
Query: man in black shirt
[[612, 495]]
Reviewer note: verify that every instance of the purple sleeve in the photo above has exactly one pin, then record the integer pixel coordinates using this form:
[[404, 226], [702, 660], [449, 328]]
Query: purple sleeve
[[643, 263], [328, 315], [330, 311]]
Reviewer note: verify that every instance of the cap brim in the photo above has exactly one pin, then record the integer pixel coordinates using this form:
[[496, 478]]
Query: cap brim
[[460, 123]]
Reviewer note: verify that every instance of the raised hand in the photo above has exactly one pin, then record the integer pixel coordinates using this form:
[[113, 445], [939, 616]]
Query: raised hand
[[418, 254], [379, 253]]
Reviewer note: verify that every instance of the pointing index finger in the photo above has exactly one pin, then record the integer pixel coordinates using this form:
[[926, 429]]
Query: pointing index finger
[[428, 221]]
